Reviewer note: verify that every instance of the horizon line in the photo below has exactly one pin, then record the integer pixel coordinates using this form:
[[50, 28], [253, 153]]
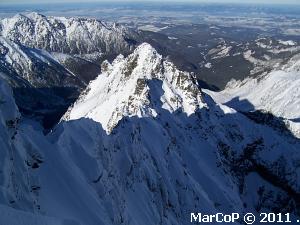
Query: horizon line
[[151, 1]]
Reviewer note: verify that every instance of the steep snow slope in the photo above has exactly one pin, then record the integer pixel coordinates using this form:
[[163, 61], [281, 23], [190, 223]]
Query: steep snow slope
[[8, 107], [36, 178], [32, 67], [147, 121], [79, 173], [142, 153], [159, 159], [277, 92], [41, 84], [73, 35]]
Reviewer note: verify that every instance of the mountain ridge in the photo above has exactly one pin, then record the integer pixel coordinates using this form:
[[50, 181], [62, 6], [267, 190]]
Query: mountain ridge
[[57, 34]]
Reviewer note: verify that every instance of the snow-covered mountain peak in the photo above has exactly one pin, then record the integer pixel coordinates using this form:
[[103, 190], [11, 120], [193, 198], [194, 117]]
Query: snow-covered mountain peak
[[25, 17], [143, 62], [35, 15], [143, 85]]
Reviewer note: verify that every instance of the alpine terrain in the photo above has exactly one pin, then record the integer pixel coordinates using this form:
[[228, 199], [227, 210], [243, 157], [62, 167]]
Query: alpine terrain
[[142, 144], [270, 95]]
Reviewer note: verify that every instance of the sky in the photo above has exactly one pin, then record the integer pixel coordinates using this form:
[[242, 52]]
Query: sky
[[220, 1]]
